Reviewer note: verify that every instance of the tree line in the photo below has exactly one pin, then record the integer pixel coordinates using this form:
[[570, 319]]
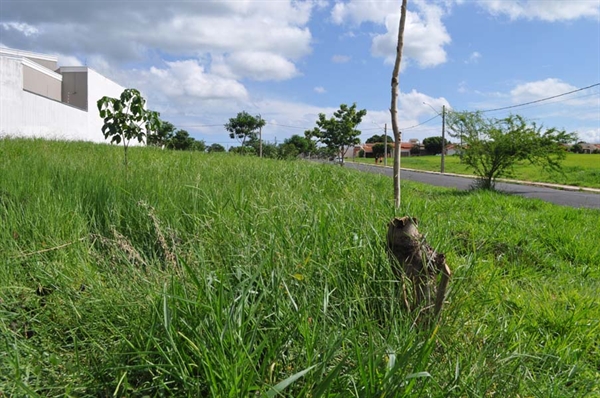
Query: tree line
[[332, 137], [490, 147]]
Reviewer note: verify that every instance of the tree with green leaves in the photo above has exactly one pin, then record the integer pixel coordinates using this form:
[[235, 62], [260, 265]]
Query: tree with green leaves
[[162, 135], [433, 145], [288, 151], [302, 145], [339, 132], [181, 141], [267, 149], [242, 150], [576, 148], [491, 147], [270, 150], [214, 148], [379, 150], [375, 139], [126, 118], [198, 146], [244, 126]]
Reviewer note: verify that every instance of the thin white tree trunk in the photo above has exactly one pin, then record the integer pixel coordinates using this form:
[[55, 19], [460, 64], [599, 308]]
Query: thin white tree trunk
[[393, 109]]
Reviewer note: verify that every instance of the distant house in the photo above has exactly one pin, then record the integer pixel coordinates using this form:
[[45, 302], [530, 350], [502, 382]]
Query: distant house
[[589, 148], [40, 99], [405, 148], [452, 149]]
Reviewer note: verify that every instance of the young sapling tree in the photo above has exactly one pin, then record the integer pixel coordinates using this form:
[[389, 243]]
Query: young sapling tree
[[339, 132], [126, 118], [412, 258]]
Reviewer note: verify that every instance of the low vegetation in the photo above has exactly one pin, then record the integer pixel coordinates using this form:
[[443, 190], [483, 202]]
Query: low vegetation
[[193, 274]]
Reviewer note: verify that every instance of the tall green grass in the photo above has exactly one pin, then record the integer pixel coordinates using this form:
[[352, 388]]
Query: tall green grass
[[214, 275]]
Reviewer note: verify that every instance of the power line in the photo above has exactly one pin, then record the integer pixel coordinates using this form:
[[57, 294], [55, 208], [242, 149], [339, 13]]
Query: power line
[[565, 99], [310, 128], [292, 127], [436, 116], [420, 124], [540, 100], [270, 123], [201, 125]]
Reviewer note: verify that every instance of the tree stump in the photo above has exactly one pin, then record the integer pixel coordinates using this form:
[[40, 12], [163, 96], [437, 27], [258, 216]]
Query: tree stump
[[416, 261]]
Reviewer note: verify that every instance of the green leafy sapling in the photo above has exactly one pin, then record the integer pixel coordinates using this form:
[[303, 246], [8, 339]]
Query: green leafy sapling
[[126, 118]]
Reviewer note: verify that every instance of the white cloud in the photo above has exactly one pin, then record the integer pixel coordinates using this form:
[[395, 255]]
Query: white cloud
[[320, 90], [358, 12], [68, 60], [564, 110], [573, 112], [259, 66], [100, 64], [320, 4], [590, 135], [546, 10], [185, 81], [23, 28], [228, 34], [425, 33], [412, 110], [592, 113], [340, 59], [415, 104], [213, 46], [473, 58], [540, 89], [127, 32]]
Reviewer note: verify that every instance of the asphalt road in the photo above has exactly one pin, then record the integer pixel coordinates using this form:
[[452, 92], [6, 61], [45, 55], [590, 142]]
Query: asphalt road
[[576, 199]]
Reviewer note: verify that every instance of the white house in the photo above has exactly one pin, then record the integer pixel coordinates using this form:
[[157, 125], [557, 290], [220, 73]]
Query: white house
[[40, 99]]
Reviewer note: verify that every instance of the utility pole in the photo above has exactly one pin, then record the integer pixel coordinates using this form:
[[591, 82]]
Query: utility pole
[[260, 142], [385, 145], [443, 136], [461, 144]]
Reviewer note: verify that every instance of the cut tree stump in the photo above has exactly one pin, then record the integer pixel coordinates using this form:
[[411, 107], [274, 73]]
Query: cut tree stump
[[416, 261]]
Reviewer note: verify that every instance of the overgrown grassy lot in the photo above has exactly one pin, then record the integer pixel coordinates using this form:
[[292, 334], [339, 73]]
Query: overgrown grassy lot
[[204, 275], [581, 170]]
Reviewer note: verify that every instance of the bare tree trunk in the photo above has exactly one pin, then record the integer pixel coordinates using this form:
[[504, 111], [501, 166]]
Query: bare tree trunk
[[393, 109], [416, 261]]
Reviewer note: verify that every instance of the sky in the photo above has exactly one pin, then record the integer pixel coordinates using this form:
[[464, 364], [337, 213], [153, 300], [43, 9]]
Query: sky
[[201, 62]]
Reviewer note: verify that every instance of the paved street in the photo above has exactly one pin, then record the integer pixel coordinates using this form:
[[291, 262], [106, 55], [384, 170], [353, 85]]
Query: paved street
[[589, 200]]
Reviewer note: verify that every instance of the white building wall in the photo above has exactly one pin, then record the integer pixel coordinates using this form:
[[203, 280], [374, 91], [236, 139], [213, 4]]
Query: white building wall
[[45, 118], [24, 114], [98, 87], [11, 88]]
